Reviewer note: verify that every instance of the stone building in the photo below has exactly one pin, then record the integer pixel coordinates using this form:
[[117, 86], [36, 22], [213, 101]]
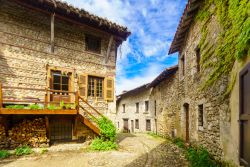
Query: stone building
[[52, 52], [150, 107], [214, 116]]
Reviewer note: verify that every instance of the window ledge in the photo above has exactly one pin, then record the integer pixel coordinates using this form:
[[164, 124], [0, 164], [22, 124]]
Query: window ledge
[[200, 128], [146, 112]]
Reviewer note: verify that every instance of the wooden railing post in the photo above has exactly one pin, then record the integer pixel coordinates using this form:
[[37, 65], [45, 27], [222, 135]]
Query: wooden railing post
[[46, 99], [77, 102], [1, 96]]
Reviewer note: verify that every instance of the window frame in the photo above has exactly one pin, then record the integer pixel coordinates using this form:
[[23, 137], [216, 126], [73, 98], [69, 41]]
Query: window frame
[[96, 79], [198, 59], [149, 130], [201, 120], [137, 105], [123, 108], [146, 106], [137, 125], [90, 38], [182, 59]]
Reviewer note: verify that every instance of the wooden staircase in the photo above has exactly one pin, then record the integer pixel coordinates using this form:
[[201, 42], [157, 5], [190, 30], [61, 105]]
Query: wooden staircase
[[88, 115]]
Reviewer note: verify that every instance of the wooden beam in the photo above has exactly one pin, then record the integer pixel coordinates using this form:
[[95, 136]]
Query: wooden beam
[[47, 126], [6, 111], [111, 39], [52, 29], [1, 96]]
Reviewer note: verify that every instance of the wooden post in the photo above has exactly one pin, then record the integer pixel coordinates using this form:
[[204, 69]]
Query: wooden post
[[1, 96], [109, 48], [77, 102], [47, 126], [46, 99], [52, 37]]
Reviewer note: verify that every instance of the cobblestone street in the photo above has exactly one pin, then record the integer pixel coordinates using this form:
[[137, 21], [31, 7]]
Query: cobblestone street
[[138, 150]]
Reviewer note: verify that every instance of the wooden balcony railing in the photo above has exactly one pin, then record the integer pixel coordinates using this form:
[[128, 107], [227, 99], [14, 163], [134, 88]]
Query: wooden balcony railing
[[34, 100]]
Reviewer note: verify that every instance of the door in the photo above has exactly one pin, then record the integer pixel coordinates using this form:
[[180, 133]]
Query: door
[[186, 111], [60, 83], [125, 125], [148, 125], [132, 126], [245, 116], [61, 128]]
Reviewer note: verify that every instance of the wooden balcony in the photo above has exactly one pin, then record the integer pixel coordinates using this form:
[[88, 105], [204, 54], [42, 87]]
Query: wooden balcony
[[46, 110]]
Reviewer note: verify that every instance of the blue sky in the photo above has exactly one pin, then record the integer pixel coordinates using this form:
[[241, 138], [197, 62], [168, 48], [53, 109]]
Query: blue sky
[[153, 24]]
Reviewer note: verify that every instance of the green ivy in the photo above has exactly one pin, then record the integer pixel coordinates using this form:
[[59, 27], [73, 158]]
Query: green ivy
[[23, 150], [4, 154], [233, 43]]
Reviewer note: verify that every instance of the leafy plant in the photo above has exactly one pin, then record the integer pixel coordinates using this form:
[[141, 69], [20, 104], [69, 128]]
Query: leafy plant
[[199, 156], [107, 129], [107, 136], [4, 154], [43, 150], [23, 150], [179, 142], [34, 107], [101, 145], [15, 106], [52, 107], [153, 134]]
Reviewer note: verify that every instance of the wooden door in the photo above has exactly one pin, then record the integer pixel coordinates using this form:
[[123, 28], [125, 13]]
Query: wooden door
[[148, 125], [125, 125], [61, 128], [186, 110], [245, 116], [132, 126]]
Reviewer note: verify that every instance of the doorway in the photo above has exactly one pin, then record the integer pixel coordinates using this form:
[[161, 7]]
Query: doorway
[[186, 112], [125, 126], [245, 116]]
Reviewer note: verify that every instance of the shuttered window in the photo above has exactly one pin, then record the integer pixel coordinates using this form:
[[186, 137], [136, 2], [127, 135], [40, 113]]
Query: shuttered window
[[60, 81], [109, 89], [95, 87], [83, 82]]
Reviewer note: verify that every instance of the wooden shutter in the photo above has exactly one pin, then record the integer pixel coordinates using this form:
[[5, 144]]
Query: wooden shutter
[[83, 85], [109, 89]]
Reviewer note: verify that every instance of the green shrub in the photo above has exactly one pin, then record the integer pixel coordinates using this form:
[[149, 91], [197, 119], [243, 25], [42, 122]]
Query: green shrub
[[52, 107], [34, 107], [4, 154], [107, 129], [43, 150], [101, 145], [23, 150], [153, 134], [15, 106], [199, 156], [179, 142]]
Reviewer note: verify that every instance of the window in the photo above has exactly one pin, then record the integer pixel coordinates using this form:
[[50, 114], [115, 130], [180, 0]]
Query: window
[[60, 81], [95, 87], [146, 106], [123, 108], [137, 124], [198, 59], [148, 125], [183, 64], [137, 107], [155, 107], [200, 115], [93, 43]]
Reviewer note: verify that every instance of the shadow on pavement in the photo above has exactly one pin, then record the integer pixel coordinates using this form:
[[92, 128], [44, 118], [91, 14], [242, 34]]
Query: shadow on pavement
[[122, 136]]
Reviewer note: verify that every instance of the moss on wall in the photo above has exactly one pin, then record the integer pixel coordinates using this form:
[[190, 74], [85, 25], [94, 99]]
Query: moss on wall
[[233, 43]]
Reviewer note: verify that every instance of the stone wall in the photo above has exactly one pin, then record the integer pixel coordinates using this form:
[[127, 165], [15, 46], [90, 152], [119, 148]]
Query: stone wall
[[215, 109], [131, 114], [25, 51], [165, 95]]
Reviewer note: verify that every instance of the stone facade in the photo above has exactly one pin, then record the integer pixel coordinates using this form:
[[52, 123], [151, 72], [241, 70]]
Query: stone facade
[[132, 114], [165, 96], [26, 57], [25, 52]]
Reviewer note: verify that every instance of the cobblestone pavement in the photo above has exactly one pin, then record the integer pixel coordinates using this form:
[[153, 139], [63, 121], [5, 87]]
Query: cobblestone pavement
[[135, 150]]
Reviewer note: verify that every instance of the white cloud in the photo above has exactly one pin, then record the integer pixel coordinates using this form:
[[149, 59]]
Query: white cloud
[[152, 23]]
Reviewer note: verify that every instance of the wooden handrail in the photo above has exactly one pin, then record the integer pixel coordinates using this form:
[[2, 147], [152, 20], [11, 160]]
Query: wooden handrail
[[44, 90], [90, 106], [33, 101], [88, 112]]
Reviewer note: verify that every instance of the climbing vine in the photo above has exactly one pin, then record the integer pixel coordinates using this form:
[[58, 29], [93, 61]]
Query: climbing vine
[[233, 42]]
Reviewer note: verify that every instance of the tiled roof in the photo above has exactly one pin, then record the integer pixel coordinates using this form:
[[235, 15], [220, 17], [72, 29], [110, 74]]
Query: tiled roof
[[167, 73], [80, 15], [184, 24]]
